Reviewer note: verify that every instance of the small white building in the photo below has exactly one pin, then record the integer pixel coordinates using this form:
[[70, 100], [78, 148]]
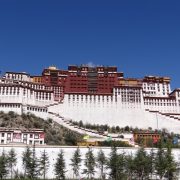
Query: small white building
[[22, 76], [22, 136]]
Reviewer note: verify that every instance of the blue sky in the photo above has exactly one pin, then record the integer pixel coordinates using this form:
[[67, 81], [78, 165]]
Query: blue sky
[[140, 37]]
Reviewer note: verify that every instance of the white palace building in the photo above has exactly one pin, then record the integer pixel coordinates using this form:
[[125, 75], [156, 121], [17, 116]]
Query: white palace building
[[97, 95]]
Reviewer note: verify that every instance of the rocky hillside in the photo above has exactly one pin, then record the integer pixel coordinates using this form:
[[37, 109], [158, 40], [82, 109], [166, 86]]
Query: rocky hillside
[[55, 134]]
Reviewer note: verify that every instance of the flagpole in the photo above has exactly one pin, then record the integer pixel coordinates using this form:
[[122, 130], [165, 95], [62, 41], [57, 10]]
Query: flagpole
[[157, 121]]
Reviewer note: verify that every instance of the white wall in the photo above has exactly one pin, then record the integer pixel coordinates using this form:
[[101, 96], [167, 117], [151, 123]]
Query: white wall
[[98, 109], [114, 114], [68, 152], [13, 107]]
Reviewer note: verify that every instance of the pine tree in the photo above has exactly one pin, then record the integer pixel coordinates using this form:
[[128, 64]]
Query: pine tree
[[44, 164], [160, 162], [30, 163], [89, 164], [60, 166], [33, 171], [26, 159], [129, 166], [12, 160], [3, 166], [142, 164], [113, 162], [76, 162], [171, 164], [121, 173], [152, 162], [101, 162]]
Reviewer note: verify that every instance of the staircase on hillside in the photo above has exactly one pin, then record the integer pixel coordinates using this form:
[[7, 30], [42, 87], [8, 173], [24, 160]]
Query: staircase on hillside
[[169, 115], [92, 133]]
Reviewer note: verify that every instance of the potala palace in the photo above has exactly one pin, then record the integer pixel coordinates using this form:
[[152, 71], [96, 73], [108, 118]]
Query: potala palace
[[97, 95]]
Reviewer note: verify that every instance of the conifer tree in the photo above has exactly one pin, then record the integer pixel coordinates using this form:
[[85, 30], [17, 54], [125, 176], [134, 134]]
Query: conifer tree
[[76, 162], [44, 164], [30, 163], [160, 162], [26, 159], [12, 160], [60, 166], [142, 164], [3, 166], [130, 166], [152, 162], [89, 164], [33, 171], [101, 162], [121, 173], [113, 162], [171, 164]]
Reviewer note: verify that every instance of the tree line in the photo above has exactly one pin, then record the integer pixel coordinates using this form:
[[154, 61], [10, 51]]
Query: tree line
[[142, 165], [101, 127]]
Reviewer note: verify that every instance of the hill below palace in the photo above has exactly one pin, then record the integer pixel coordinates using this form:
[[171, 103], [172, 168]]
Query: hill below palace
[[55, 134]]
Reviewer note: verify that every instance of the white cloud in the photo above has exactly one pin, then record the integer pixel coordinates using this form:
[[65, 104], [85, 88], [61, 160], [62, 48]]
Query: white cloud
[[91, 64]]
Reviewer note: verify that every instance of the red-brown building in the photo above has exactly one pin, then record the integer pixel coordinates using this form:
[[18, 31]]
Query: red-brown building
[[148, 138], [55, 79], [81, 79]]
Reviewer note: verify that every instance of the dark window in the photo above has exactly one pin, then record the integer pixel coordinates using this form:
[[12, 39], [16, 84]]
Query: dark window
[[36, 136], [25, 136]]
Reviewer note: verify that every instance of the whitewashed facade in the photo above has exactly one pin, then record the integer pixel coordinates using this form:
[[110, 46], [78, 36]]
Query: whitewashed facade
[[149, 104]]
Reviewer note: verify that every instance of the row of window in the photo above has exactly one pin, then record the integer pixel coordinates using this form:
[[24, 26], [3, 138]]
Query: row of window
[[25, 136], [131, 100], [16, 76], [159, 104], [36, 109], [10, 105], [88, 96], [160, 100], [43, 96], [130, 93], [33, 86], [38, 95], [25, 84], [14, 90], [9, 93], [24, 141], [152, 87], [98, 74], [125, 91], [107, 100], [5, 88]]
